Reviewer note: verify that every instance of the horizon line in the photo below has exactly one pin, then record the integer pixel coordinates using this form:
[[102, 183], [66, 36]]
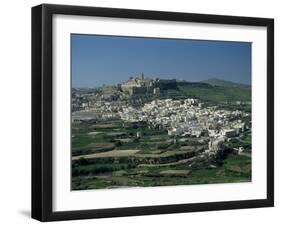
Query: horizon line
[[201, 81]]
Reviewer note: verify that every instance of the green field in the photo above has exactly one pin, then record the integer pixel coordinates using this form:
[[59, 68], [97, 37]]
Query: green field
[[215, 94], [108, 154], [235, 169]]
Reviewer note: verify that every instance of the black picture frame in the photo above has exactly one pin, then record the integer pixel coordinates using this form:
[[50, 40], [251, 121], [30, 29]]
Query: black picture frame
[[42, 111]]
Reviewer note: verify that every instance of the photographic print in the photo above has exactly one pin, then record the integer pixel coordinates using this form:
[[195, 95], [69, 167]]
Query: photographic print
[[159, 112], [138, 112]]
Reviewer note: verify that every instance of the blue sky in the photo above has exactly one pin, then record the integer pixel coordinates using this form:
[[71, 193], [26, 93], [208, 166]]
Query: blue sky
[[98, 60]]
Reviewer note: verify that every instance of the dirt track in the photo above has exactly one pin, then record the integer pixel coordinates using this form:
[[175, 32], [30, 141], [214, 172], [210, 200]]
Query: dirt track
[[113, 153]]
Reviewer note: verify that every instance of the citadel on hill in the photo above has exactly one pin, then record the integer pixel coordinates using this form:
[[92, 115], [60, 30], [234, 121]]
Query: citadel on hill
[[141, 85], [138, 87], [135, 86]]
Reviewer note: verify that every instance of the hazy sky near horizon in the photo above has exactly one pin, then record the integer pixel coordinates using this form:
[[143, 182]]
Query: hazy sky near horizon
[[98, 60]]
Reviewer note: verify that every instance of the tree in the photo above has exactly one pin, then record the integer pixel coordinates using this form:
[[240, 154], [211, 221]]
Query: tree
[[118, 143]]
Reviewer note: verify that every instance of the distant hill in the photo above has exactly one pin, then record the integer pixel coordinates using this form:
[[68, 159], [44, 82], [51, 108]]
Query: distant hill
[[224, 83], [214, 90]]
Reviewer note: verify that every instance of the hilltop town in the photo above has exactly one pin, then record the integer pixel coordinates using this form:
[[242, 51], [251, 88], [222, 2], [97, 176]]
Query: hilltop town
[[150, 123], [135, 86]]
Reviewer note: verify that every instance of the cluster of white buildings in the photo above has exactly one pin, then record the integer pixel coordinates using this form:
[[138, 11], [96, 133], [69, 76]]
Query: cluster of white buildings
[[187, 117]]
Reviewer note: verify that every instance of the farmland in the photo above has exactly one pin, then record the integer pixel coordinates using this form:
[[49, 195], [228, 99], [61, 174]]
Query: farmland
[[109, 154]]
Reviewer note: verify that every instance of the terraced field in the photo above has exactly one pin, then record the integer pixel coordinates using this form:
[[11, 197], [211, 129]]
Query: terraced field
[[111, 155]]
